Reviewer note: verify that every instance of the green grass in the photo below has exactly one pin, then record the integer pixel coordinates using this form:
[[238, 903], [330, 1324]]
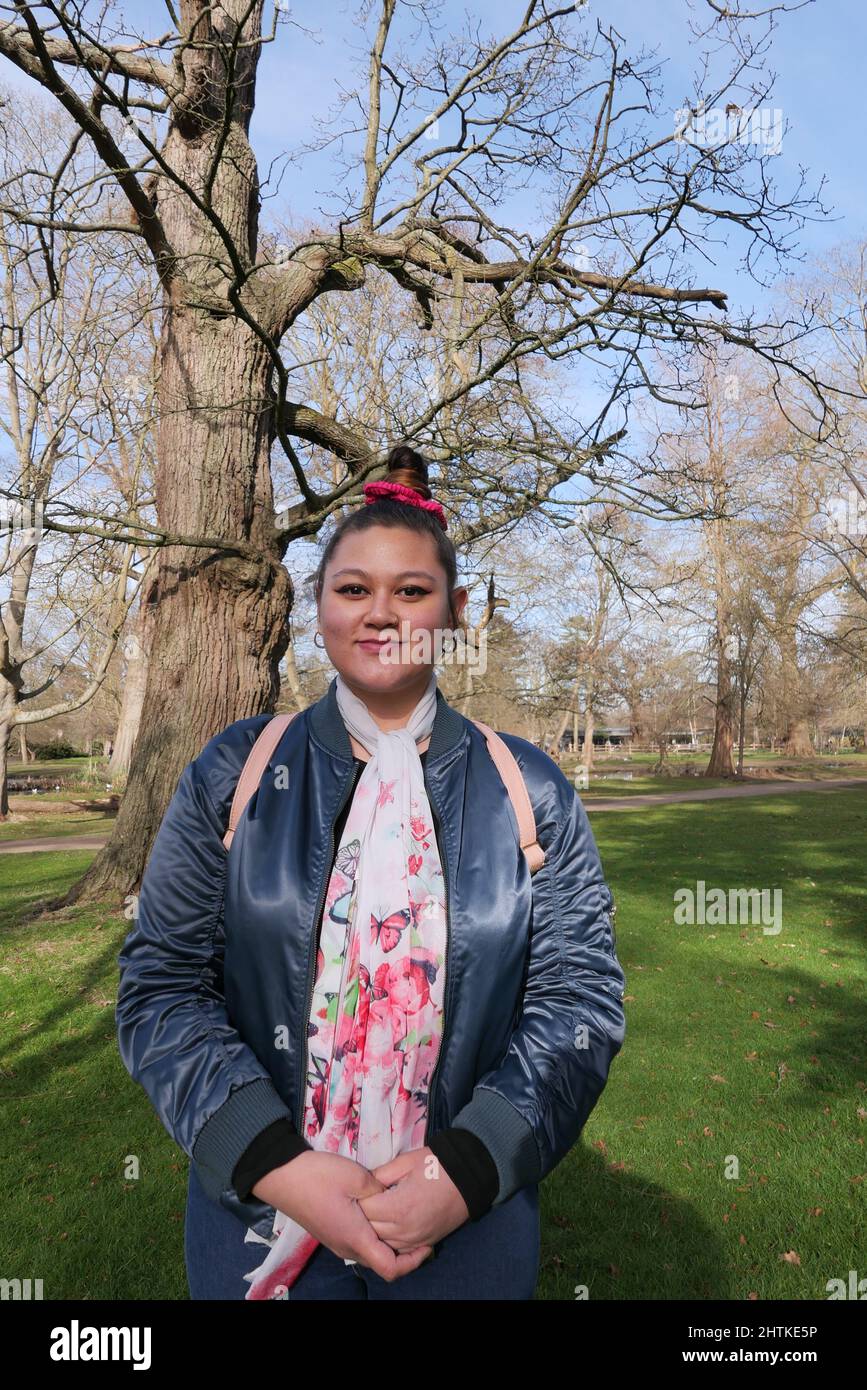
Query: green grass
[[623, 787], [44, 766], [641, 1208], [72, 823]]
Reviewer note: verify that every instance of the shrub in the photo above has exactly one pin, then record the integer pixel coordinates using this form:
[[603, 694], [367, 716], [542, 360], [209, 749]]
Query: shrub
[[57, 749]]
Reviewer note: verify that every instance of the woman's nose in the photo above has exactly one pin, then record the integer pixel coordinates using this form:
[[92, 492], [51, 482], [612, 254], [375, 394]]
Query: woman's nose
[[381, 612]]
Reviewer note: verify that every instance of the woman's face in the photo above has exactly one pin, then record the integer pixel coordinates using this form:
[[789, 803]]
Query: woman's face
[[382, 587]]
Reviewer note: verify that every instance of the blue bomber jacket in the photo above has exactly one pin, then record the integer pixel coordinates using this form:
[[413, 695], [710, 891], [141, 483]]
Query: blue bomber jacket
[[217, 972]]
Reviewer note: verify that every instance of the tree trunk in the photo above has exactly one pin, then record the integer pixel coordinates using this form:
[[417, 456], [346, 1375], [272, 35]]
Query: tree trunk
[[662, 766], [721, 764], [563, 721], [742, 726], [293, 679], [636, 725], [220, 621], [797, 742], [137, 647], [587, 747], [5, 739]]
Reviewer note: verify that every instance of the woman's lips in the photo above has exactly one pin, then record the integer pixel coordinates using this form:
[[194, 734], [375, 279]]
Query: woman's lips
[[372, 645]]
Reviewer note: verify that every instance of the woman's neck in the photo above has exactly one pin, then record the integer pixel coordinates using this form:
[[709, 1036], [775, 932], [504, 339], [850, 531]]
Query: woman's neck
[[391, 709]]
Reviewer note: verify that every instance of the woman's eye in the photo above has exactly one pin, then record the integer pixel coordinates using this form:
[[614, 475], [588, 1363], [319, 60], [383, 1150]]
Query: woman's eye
[[414, 588]]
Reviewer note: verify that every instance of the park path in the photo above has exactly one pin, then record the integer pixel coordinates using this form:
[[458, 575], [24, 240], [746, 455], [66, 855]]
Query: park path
[[626, 803], [611, 803], [48, 842]]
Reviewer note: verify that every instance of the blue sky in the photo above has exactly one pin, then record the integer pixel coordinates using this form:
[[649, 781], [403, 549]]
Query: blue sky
[[817, 51]]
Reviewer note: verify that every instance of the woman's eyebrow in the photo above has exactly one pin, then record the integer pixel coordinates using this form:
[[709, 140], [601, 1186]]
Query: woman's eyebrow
[[405, 574]]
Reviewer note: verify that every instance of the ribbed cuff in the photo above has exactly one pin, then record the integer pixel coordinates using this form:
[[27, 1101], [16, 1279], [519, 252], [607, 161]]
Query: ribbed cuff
[[507, 1136], [231, 1130]]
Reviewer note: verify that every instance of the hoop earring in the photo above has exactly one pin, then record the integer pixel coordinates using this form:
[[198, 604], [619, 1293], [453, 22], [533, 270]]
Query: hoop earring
[[317, 644]]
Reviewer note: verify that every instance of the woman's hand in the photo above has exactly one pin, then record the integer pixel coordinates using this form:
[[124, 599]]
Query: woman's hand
[[323, 1192], [421, 1204]]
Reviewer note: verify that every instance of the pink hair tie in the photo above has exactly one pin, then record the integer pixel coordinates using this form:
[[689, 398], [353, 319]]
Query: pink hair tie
[[402, 493]]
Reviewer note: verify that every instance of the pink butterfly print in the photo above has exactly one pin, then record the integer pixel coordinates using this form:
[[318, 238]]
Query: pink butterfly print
[[386, 932], [386, 792]]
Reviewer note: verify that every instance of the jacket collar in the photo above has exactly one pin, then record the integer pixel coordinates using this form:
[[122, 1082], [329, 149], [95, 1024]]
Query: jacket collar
[[328, 726]]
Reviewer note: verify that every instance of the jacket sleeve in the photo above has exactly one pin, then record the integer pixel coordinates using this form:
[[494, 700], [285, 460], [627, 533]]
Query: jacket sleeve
[[208, 1087], [531, 1108]]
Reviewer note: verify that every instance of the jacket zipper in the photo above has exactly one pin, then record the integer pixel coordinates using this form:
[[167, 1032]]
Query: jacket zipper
[[434, 1077], [305, 1018]]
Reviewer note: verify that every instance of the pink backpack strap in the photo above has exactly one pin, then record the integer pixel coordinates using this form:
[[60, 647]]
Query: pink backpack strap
[[510, 772], [254, 767], [263, 748]]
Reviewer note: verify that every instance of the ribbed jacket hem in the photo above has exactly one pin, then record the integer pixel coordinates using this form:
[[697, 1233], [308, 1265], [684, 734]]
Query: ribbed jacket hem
[[507, 1136], [231, 1130]]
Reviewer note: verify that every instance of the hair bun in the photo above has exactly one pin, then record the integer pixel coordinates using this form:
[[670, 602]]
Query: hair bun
[[406, 466]]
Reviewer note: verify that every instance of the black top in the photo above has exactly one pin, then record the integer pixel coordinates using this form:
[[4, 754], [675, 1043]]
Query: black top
[[465, 1158]]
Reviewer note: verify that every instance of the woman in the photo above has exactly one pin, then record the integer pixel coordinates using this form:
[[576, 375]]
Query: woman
[[370, 1026]]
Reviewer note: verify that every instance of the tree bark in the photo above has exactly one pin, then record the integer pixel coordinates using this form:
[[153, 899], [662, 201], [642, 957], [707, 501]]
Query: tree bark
[[797, 742], [220, 622], [138, 645], [589, 722], [721, 764], [742, 725]]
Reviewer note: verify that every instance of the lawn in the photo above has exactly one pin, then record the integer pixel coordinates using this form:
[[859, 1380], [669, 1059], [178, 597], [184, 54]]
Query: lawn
[[739, 1046]]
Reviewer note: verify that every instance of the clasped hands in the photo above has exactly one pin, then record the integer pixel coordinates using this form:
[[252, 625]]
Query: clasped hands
[[417, 1204], [388, 1218]]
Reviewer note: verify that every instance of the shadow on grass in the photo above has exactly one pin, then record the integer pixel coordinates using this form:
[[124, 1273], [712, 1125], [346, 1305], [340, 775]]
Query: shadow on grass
[[621, 1237]]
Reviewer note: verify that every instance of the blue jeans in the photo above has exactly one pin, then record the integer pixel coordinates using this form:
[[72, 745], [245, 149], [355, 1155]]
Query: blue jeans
[[496, 1257]]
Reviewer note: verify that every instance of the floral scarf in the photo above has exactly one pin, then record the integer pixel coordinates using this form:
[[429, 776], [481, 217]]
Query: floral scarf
[[377, 1010]]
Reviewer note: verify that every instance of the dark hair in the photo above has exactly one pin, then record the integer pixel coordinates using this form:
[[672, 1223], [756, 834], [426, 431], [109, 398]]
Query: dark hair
[[404, 465]]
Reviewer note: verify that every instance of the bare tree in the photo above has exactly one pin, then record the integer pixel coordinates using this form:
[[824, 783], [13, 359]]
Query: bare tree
[[451, 132], [66, 595]]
